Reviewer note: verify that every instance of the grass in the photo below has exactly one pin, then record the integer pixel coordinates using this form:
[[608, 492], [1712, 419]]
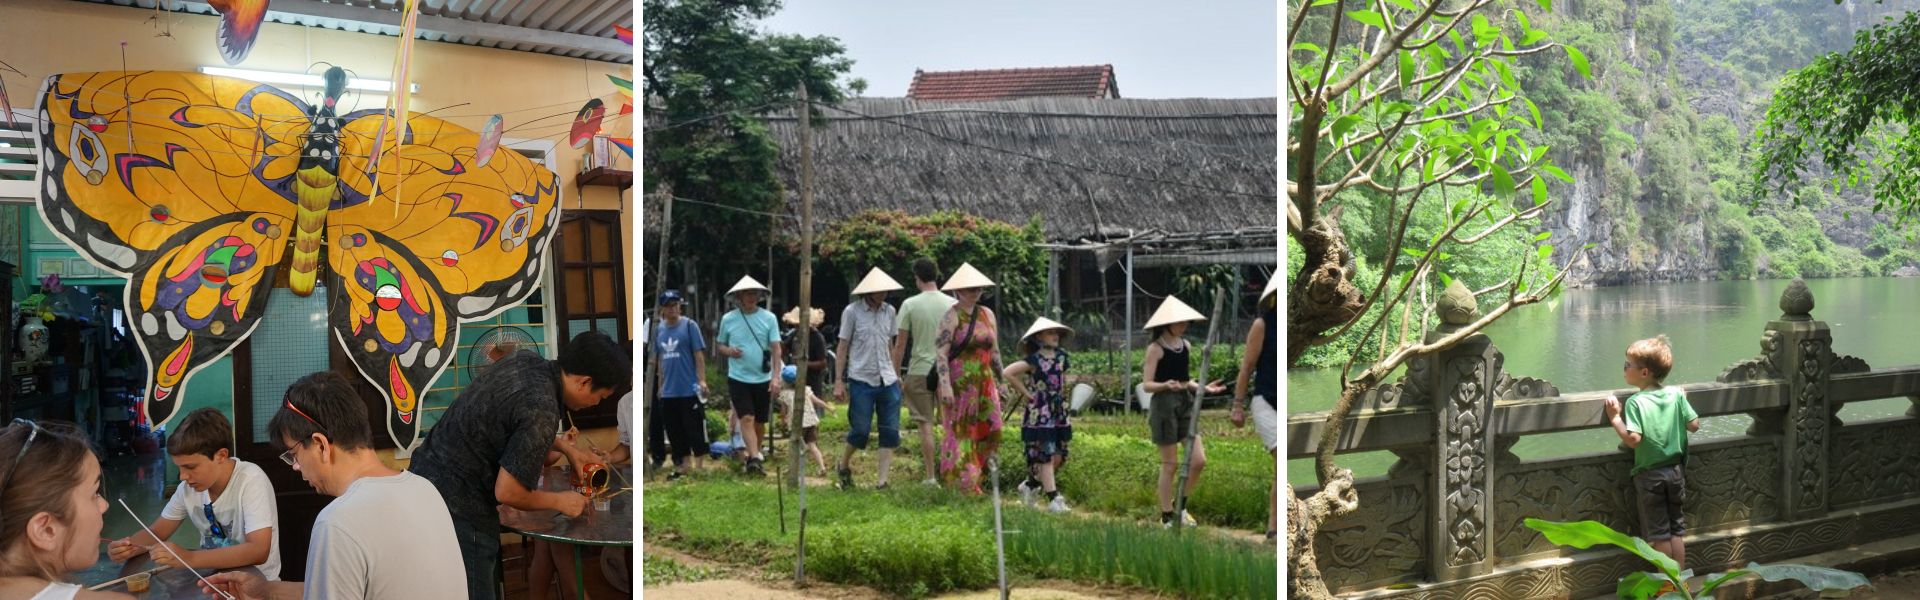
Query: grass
[[1187, 564], [661, 570], [915, 541]]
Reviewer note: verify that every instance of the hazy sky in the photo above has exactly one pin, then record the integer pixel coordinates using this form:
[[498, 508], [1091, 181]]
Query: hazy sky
[[1158, 49]]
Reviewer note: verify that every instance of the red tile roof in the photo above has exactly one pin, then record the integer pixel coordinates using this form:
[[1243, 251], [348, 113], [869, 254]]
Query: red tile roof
[[1093, 81]]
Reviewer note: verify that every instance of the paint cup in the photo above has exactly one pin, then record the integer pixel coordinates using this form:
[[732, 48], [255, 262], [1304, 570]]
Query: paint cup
[[601, 504], [138, 583]]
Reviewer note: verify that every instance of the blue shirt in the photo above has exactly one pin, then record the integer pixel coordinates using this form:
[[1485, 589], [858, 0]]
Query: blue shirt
[[675, 345], [754, 335]]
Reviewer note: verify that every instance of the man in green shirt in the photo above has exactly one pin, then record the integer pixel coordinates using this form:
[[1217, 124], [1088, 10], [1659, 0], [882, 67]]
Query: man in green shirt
[[919, 325], [1654, 422]]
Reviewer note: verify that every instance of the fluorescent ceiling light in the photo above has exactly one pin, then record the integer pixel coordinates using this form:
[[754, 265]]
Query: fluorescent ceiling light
[[371, 85]]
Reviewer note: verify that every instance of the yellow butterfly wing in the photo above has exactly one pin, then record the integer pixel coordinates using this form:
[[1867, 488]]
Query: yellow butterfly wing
[[171, 180], [425, 238]]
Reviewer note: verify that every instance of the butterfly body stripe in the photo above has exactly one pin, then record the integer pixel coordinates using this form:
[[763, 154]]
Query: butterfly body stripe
[[316, 187]]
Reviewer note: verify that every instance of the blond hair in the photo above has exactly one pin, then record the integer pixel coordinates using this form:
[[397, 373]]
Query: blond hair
[[1655, 354]]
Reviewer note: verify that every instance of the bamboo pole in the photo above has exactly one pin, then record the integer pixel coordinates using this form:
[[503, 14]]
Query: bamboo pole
[[805, 335], [1193, 424]]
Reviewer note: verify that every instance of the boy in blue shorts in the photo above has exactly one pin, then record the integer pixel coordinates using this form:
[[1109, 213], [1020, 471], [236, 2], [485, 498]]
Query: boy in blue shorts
[[1654, 422]]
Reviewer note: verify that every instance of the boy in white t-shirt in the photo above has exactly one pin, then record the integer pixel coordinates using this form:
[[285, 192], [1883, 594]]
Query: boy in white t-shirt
[[229, 500]]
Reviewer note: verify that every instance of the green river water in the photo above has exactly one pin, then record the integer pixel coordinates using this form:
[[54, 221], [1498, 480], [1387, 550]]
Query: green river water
[[1578, 341]]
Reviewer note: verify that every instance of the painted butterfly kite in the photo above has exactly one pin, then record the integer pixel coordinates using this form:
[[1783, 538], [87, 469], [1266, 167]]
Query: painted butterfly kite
[[198, 188]]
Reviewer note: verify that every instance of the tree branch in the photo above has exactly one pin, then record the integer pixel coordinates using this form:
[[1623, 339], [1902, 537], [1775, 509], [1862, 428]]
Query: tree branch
[[1379, 54]]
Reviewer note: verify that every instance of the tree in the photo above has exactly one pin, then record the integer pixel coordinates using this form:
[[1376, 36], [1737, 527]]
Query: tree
[[707, 75], [892, 239], [1854, 112], [1407, 101]]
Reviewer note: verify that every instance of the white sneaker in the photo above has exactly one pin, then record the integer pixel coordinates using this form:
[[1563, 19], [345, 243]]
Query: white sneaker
[[1058, 506], [1186, 520], [1026, 494], [931, 482]]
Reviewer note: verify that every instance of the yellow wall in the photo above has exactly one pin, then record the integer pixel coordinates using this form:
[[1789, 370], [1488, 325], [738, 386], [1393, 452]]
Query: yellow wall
[[44, 37]]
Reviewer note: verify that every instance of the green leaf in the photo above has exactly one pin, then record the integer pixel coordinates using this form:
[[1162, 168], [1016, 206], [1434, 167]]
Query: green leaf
[[1506, 75], [1344, 124], [1533, 37], [1370, 18], [1818, 579], [1542, 236], [1414, 252], [1320, 3], [1483, 31], [1579, 61], [1637, 586], [1445, 280], [1459, 45], [1537, 123], [1584, 534], [1557, 173], [1406, 4], [1406, 69], [1502, 181], [1522, 18], [1718, 579], [1308, 47], [1454, 211], [1539, 196], [1546, 5], [1546, 251]]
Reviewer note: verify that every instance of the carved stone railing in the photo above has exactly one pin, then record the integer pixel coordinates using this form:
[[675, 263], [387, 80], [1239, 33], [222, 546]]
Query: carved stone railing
[[1446, 519]]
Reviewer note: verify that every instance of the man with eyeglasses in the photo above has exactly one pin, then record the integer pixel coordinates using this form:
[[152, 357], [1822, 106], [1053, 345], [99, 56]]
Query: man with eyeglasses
[[491, 445], [386, 534]]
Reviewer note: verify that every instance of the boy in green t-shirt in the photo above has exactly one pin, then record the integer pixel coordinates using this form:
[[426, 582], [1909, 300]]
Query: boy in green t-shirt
[[1654, 422]]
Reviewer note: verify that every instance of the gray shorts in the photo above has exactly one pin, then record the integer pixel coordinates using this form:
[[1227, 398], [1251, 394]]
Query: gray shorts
[[1660, 492], [1170, 417]]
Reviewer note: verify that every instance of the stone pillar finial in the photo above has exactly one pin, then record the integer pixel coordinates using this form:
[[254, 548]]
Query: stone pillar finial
[[1457, 307], [1796, 303]]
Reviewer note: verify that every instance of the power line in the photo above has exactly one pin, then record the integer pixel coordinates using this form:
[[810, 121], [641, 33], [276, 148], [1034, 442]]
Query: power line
[[734, 208]]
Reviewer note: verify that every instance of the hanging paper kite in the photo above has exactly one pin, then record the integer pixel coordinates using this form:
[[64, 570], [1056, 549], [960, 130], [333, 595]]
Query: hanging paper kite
[[624, 144], [240, 22], [586, 124], [624, 34], [6, 106], [223, 180], [489, 141], [625, 86]]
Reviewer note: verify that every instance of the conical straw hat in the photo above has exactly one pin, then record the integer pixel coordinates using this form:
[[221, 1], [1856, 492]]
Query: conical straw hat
[[876, 281], [1273, 287], [1043, 324], [793, 316], [1173, 311], [747, 282], [966, 277]]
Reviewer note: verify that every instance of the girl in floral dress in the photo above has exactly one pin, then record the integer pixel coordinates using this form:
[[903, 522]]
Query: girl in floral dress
[[1044, 427], [969, 389]]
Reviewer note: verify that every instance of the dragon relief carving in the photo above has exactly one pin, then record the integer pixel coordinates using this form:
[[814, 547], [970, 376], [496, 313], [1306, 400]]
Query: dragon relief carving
[[1762, 367], [1385, 541], [1871, 463]]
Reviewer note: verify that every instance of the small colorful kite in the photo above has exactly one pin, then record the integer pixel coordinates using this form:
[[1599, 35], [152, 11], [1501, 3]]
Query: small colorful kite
[[624, 144], [625, 35], [240, 22], [587, 123], [489, 141], [625, 85]]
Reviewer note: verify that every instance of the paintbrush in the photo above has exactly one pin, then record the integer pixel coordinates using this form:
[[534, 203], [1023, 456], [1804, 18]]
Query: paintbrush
[[117, 581], [196, 572]]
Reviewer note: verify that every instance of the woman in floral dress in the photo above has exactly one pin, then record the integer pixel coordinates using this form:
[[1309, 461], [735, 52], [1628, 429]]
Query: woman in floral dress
[[969, 390]]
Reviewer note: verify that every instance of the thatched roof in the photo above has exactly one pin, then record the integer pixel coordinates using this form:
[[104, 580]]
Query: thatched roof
[[862, 163]]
